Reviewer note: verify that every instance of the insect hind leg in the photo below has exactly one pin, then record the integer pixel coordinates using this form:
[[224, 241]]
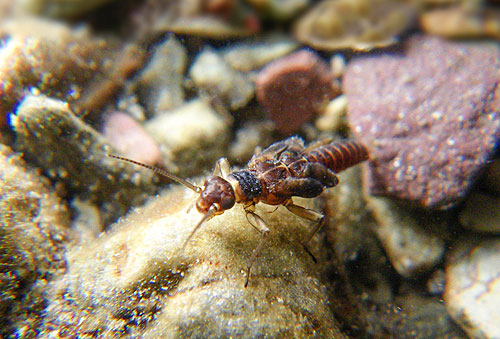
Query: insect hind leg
[[260, 225], [308, 214]]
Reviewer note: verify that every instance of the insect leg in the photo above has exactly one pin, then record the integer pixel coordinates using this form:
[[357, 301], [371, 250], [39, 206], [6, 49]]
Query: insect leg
[[261, 226], [308, 214], [222, 167]]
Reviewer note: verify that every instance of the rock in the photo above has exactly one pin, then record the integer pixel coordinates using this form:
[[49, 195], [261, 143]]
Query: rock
[[481, 213], [294, 89], [472, 293], [248, 139], [161, 81], [60, 9], [212, 74], [279, 10], [48, 57], [74, 154], [192, 137], [251, 55], [201, 18], [333, 118], [436, 282], [86, 221], [355, 24], [348, 228], [428, 117], [129, 137], [406, 237], [138, 279], [33, 230], [462, 22], [29, 59]]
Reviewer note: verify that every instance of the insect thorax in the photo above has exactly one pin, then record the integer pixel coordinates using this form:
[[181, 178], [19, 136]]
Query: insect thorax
[[246, 185]]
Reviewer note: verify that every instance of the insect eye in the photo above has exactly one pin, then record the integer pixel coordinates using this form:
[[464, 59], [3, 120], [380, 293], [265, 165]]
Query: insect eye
[[227, 202]]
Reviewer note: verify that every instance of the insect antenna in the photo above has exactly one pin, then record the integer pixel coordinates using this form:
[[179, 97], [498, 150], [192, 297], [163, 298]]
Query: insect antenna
[[210, 213], [160, 172]]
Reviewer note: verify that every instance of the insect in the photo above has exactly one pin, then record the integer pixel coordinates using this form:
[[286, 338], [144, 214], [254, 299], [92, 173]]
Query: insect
[[274, 176]]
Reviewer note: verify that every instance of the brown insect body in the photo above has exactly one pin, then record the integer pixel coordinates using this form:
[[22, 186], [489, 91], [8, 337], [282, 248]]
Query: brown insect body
[[283, 170], [287, 169]]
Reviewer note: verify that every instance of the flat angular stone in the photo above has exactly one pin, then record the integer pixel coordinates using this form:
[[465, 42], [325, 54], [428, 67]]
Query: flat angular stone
[[429, 117]]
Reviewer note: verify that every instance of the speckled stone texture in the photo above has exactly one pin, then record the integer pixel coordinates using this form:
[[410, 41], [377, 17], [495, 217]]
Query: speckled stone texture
[[430, 117]]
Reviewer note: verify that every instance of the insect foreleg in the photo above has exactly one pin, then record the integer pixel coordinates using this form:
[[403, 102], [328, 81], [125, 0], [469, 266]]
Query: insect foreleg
[[261, 226], [308, 214], [222, 167]]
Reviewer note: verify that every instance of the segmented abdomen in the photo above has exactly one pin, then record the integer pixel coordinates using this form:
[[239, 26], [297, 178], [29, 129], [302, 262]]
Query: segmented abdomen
[[338, 156]]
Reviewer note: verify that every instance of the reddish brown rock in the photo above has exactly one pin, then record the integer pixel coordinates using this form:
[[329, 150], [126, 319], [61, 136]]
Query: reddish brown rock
[[430, 117], [294, 89]]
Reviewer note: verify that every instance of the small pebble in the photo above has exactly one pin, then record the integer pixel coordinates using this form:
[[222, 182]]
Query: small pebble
[[295, 89], [249, 55], [160, 83], [411, 248], [192, 137], [212, 74], [332, 118], [472, 292], [461, 22], [129, 137]]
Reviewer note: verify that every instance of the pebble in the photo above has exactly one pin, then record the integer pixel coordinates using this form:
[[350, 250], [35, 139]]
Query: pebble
[[192, 137], [462, 22], [65, 9], [209, 72], [333, 118], [72, 153], [406, 237], [202, 18], [428, 117], [138, 277], [48, 57], [45, 62], [129, 137], [34, 223], [279, 10], [251, 55], [295, 89], [248, 139], [354, 24], [472, 292], [160, 83]]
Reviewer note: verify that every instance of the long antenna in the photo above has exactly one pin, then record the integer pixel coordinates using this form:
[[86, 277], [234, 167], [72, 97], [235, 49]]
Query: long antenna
[[210, 213], [160, 172]]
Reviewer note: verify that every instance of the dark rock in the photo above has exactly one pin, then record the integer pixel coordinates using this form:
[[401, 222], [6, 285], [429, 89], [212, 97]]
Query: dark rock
[[430, 117]]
